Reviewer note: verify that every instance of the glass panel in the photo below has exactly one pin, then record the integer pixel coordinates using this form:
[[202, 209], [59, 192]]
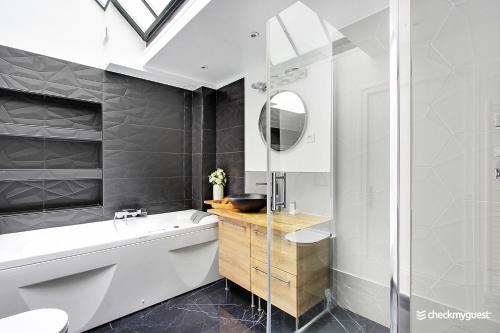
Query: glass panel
[[281, 49], [455, 160], [297, 16], [138, 12], [158, 5], [328, 221]]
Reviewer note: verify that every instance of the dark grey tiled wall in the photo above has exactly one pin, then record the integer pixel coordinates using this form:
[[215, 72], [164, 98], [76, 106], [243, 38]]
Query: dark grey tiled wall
[[20, 108], [203, 144], [31, 153], [146, 145], [230, 135], [159, 142], [144, 152]]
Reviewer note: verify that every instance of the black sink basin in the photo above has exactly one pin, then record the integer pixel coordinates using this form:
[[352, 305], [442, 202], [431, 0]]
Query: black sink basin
[[248, 202]]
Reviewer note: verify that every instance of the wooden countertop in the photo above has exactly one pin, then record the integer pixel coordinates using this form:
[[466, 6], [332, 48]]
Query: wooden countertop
[[282, 221]]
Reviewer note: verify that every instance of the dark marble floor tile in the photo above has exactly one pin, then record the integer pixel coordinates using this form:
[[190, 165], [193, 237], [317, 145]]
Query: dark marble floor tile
[[211, 309]]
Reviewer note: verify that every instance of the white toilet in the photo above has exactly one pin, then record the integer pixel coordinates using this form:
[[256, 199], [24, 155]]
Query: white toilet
[[39, 321]]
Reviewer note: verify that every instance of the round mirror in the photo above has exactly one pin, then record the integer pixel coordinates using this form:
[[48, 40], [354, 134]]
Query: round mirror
[[288, 120]]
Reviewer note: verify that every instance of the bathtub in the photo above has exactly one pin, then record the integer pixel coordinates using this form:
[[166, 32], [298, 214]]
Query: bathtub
[[101, 271]]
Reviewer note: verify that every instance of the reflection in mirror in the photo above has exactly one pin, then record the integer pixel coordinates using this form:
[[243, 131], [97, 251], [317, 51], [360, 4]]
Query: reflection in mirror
[[288, 120]]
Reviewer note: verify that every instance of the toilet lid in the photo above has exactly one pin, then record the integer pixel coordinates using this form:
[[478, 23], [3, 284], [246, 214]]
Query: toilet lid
[[40, 321]]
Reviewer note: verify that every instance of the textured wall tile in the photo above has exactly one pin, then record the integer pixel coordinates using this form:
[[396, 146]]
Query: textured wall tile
[[21, 153], [140, 192], [72, 155], [168, 206], [20, 63], [18, 108], [49, 219], [71, 193], [142, 138], [28, 71], [125, 164], [146, 128], [142, 111], [21, 196], [73, 115], [22, 83]]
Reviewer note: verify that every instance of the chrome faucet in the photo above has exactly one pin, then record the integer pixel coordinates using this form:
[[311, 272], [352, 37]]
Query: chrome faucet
[[278, 193], [124, 214]]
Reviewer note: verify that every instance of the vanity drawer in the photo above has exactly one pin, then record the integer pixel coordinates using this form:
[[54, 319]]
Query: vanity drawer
[[234, 251], [283, 286], [283, 252]]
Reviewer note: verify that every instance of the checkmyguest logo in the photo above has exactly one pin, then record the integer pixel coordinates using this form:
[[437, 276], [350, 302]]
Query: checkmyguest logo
[[424, 314], [421, 315]]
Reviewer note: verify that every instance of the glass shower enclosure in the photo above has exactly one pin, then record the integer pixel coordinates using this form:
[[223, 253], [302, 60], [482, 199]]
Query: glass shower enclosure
[[382, 127], [326, 127]]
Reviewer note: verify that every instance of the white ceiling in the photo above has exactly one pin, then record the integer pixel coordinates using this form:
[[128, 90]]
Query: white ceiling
[[218, 37]]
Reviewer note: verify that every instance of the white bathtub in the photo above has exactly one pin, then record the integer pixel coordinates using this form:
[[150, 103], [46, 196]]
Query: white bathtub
[[101, 271]]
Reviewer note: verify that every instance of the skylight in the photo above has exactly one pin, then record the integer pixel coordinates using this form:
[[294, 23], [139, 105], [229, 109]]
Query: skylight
[[298, 30], [145, 16]]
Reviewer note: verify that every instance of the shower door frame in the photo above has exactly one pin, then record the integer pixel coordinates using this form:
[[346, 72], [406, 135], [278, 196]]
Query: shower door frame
[[400, 166]]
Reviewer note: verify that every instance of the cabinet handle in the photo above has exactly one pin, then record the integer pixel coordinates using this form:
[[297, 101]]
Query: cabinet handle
[[274, 277], [234, 225]]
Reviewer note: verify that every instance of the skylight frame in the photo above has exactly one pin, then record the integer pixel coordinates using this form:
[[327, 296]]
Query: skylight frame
[[160, 19], [103, 6]]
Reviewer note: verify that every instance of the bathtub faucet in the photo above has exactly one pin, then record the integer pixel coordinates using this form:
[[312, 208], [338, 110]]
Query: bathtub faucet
[[124, 214]]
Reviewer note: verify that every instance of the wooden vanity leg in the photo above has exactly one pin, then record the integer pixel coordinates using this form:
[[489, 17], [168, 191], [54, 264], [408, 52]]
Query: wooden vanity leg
[[227, 287]]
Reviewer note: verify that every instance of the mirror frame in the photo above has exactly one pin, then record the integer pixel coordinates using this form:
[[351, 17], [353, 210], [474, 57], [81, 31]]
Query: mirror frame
[[263, 111]]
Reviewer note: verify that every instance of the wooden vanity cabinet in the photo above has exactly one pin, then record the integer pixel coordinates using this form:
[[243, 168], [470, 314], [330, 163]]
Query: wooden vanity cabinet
[[299, 272], [234, 251]]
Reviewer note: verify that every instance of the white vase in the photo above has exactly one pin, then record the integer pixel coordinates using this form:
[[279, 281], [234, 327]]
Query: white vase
[[218, 192]]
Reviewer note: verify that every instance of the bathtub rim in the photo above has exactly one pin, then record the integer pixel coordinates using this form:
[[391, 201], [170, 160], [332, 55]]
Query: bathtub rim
[[82, 250]]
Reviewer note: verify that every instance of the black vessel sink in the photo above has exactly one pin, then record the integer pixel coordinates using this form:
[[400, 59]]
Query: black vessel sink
[[248, 202]]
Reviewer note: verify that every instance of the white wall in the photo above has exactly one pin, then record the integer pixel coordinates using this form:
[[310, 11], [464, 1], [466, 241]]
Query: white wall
[[316, 92], [73, 30], [361, 108]]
